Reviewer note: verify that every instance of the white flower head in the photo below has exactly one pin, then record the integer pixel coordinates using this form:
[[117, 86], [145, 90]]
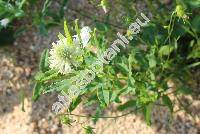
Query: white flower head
[[85, 36], [64, 57], [4, 22]]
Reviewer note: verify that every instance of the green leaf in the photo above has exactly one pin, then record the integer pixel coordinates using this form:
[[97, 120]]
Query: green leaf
[[101, 26], [113, 96], [194, 65], [196, 22], [131, 81], [88, 130], [62, 8], [102, 96], [152, 61], [97, 114], [166, 100], [75, 103], [61, 37], [49, 75], [58, 86], [147, 114], [106, 96], [44, 64], [64, 119], [37, 91], [123, 67], [193, 3], [165, 50], [129, 104], [96, 42], [21, 4], [130, 62], [42, 29], [67, 34], [22, 96], [47, 3], [141, 60], [77, 29], [19, 13]]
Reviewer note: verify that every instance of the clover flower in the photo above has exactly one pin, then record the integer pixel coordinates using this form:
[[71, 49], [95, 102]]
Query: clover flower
[[4, 22], [85, 36], [64, 57], [67, 54]]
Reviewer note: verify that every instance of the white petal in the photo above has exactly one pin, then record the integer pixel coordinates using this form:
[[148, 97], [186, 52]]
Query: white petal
[[86, 29], [85, 35]]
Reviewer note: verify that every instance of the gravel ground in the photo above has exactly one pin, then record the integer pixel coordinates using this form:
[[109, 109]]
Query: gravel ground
[[18, 64]]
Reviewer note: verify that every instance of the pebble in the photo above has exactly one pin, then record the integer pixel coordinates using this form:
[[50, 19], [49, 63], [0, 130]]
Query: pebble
[[54, 129]]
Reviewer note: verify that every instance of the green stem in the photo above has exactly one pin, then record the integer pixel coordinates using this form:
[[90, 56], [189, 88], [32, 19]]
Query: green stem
[[111, 117]]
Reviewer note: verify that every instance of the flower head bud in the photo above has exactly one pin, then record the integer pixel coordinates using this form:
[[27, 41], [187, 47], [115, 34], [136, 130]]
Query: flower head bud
[[180, 11]]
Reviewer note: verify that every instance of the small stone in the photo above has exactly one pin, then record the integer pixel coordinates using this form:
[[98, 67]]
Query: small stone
[[33, 125], [45, 124], [192, 130], [27, 71], [42, 132], [8, 92], [54, 129]]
